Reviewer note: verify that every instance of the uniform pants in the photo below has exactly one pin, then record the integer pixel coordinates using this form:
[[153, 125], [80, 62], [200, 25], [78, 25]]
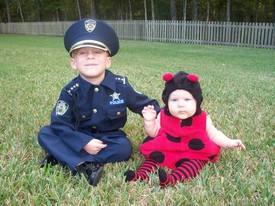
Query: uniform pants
[[118, 148]]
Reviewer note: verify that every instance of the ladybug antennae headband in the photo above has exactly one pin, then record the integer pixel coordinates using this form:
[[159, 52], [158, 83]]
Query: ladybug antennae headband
[[169, 76]]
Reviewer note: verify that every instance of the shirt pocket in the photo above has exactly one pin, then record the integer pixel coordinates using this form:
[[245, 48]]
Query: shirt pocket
[[114, 114]]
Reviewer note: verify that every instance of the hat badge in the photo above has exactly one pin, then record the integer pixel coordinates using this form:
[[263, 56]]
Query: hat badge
[[90, 25]]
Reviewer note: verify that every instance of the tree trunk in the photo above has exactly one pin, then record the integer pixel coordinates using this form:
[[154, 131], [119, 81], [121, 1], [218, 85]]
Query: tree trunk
[[78, 8], [130, 10], [93, 8], [39, 10], [119, 15], [195, 10], [208, 10], [145, 10], [228, 11], [20, 10], [57, 15], [8, 10], [153, 9], [173, 10], [184, 10]]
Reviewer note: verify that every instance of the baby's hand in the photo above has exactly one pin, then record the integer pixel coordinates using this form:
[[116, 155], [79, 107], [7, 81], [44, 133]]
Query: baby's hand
[[149, 113], [235, 143]]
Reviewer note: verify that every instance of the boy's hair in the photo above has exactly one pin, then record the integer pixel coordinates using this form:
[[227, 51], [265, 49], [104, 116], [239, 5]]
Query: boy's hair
[[74, 52]]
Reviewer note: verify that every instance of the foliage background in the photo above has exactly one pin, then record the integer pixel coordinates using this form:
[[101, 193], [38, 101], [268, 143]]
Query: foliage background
[[238, 86], [67, 10]]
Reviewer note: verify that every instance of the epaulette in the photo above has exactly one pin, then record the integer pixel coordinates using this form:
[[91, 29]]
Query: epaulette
[[120, 79], [73, 88]]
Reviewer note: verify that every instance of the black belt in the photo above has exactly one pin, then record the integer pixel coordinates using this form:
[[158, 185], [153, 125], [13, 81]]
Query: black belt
[[95, 131]]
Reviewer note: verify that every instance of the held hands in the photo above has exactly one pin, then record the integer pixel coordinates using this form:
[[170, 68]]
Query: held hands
[[149, 113], [94, 146], [235, 143]]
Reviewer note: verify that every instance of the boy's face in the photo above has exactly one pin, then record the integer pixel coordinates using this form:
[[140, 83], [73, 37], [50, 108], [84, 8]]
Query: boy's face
[[91, 63], [182, 104]]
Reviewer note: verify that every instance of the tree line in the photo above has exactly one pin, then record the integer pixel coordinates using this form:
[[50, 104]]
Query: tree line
[[189, 10]]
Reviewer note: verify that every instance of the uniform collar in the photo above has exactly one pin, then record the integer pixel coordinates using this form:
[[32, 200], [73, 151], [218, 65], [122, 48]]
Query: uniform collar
[[108, 81]]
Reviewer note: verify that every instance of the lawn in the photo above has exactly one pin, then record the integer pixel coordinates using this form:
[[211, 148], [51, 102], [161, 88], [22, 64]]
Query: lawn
[[239, 94]]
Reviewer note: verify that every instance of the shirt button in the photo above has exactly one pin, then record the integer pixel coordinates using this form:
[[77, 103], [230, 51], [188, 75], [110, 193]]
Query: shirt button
[[118, 113], [96, 89], [83, 116], [94, 110]]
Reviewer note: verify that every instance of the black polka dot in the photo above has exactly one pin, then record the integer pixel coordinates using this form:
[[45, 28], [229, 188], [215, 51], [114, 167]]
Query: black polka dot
[[212, 157], [173, 139], [178, 163], [147, 139], [195, 144], [157, 156], [186, 122]]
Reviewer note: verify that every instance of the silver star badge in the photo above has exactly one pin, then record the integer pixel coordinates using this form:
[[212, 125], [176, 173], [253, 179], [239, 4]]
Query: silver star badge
[[115, 96]]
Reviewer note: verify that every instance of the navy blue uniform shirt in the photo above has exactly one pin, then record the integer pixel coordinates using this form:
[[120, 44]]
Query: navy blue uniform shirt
[[84, 109]]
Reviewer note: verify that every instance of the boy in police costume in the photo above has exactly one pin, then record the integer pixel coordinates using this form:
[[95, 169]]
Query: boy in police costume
[[85, 129]]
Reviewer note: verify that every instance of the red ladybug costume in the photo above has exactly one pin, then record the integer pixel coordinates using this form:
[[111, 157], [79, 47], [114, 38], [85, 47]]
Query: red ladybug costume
[[182, 145], [179, 140]]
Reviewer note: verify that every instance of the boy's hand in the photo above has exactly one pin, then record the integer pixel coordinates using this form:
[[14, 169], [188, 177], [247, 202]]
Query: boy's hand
[[149, 113], [94, 146]]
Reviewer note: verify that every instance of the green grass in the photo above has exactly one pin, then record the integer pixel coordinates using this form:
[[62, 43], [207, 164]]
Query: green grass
[[239, 94]]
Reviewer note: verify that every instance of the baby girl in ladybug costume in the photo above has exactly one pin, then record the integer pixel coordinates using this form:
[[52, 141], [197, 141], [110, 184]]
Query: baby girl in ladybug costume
[[181, 137]]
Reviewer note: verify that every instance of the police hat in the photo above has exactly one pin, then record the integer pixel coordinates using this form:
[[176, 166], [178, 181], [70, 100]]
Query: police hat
[[91, 33]]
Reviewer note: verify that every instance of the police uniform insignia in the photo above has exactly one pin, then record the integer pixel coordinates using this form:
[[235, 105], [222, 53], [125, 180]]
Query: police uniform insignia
[[115, 96], [116, 99], [61, 107], [121, 79], [90, 25], [70, 90]]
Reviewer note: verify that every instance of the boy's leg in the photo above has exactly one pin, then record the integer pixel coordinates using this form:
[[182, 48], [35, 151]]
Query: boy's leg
[[118, 149], [185, 171], [148, 166], [53, 145], [56, 149]]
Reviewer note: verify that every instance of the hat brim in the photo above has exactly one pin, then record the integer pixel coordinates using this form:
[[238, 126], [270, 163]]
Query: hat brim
[[90, 43]]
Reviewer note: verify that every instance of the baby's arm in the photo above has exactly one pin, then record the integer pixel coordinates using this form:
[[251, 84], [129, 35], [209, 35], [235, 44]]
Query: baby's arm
[[151, 124], [220, 139]]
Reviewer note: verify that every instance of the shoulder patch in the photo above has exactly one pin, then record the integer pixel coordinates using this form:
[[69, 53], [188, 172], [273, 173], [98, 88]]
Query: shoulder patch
[[61, 107]]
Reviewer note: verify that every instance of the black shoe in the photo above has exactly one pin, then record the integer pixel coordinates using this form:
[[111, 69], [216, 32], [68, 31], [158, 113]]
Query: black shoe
[[92, 171], [130, 176], [48, 159]]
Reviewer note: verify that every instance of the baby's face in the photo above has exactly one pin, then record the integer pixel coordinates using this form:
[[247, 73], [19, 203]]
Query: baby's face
[[182, 104]]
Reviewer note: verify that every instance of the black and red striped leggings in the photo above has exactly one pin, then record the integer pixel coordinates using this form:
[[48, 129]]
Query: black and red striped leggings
[[184, 171]]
